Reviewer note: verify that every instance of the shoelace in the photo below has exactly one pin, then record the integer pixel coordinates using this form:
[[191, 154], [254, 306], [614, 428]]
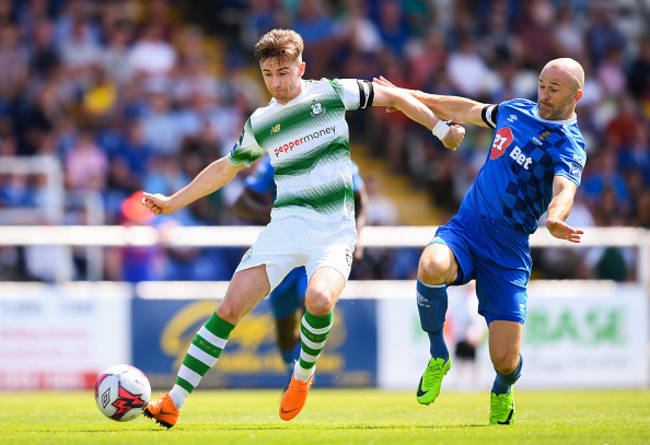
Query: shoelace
[[502, 402], [300, 387], [436, 371]]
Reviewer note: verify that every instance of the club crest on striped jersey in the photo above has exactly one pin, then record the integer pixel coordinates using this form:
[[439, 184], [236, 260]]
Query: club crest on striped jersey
[[502, 139], [318, 109]]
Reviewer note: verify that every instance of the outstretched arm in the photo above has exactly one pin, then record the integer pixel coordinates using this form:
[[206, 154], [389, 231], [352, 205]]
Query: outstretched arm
[[457, 109], [564, 191], [386, 96], [211, 179]]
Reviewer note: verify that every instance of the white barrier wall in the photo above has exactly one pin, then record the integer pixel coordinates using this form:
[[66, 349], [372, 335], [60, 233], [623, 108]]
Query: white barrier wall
[[577, 335], [61, 337]]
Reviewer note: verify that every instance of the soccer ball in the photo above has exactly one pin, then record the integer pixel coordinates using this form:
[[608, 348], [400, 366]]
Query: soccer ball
[[122, 392]]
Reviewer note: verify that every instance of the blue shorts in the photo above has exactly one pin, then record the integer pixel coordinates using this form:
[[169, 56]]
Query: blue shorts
[[289, 295], [496, 256]]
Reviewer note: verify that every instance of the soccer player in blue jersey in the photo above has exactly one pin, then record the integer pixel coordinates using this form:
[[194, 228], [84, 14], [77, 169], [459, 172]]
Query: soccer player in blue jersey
[[534, 165], [287, 299]]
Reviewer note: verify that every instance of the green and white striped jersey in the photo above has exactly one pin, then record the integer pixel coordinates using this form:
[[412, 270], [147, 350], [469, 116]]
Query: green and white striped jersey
[[307, 140]]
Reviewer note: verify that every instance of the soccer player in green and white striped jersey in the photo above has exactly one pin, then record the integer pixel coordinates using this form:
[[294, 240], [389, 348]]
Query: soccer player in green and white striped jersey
[[303, 129]]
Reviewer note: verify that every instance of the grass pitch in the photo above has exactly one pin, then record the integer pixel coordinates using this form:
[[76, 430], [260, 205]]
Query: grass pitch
[[335, 417]]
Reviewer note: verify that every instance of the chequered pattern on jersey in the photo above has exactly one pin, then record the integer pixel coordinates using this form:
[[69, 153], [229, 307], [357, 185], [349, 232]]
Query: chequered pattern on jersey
[[529, 192], [515, 185]]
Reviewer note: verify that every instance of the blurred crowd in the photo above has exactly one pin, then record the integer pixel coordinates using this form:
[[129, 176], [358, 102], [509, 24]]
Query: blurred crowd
[[134, 95]]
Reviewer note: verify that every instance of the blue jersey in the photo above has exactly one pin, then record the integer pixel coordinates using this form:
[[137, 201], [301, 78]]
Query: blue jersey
[[261, 180], [515, 185]]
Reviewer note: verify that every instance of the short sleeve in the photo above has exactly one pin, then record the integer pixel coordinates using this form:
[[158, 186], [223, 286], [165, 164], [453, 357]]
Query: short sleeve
[[571, 163], [246, 150], [353, 93]]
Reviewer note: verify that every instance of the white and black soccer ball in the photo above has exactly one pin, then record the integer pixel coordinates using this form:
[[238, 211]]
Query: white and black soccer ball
[[122, 392]]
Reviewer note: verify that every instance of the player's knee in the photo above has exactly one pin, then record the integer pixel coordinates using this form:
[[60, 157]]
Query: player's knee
[[229, 312], [319, 302], [431, 270], [506, 362]]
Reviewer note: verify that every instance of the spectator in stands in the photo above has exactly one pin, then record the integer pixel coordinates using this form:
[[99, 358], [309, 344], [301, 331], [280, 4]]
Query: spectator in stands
[[43, 56], [80, 52], [638, 76], [151, 55], [42, 40], [161, 125], [566, 36], [467, 70], [625, 123], [536, 20], [610, 72], [392, 26], [319, 31], [86, 165], [602, 33], [14, 59], [115, 57], [642, 217]]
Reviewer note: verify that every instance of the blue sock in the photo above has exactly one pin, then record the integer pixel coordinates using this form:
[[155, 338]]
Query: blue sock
[[438, 347], [503, 383], [432, 307], [288, 357]]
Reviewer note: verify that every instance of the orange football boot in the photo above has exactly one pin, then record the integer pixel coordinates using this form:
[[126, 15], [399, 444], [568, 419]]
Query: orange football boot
[[294, 398], [163, 410]]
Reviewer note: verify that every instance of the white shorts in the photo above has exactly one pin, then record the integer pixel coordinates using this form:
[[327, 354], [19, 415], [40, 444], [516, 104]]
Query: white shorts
[[292, 242]]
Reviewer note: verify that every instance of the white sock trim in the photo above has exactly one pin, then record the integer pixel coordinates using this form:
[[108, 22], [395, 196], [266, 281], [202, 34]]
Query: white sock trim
[[433, 286], [303, 374], [178, 395]]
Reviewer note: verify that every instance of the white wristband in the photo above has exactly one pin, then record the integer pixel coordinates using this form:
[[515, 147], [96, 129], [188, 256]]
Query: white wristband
[[441, 129]]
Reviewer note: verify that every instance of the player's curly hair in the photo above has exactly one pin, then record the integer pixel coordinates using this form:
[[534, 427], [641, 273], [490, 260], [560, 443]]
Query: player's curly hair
[[279, 44]]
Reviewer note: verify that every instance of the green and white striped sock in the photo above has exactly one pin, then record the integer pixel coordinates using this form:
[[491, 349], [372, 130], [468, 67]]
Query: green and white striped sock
[[313, 334], [202, 355]]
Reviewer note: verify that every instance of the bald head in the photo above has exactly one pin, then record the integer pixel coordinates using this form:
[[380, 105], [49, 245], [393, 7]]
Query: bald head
[[559, 89], [568, 69]]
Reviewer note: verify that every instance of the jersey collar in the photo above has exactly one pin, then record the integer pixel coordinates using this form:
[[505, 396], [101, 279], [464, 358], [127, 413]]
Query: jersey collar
[[573, 120]]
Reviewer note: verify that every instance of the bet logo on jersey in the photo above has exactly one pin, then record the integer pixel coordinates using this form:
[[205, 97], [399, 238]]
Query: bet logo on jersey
[[502, 139]]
